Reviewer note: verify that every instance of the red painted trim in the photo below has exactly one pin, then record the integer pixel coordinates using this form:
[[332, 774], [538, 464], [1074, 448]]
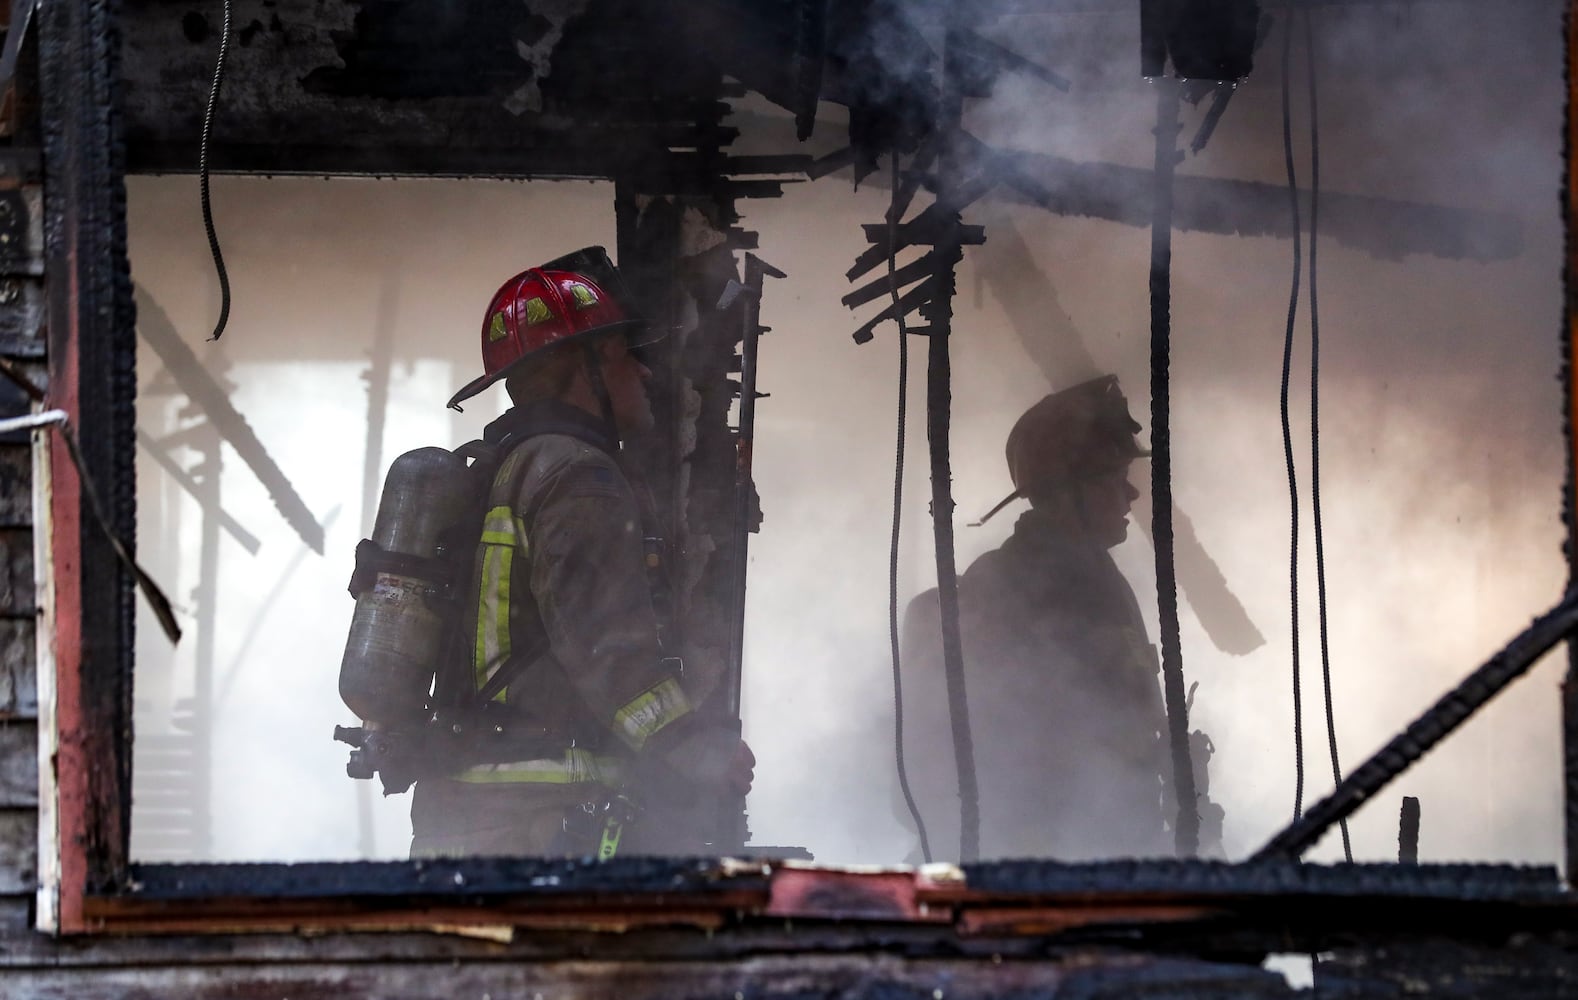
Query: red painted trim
[[853, 895], [72, 765]]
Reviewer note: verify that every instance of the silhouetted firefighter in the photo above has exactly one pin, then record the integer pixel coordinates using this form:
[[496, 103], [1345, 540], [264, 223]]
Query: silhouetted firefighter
[[1069, 726]]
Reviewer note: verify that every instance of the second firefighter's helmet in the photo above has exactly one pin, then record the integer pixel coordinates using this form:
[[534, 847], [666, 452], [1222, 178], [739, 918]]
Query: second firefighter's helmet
[[569, 298], [1082, 431]]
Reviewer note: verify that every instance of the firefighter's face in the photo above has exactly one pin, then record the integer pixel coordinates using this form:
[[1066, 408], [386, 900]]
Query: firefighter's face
[[625, 376], [1105, 500]]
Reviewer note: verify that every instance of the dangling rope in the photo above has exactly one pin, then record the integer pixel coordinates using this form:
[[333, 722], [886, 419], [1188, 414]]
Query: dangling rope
[[1320, 547], [1287, 429], [898, 510], [202, 171]]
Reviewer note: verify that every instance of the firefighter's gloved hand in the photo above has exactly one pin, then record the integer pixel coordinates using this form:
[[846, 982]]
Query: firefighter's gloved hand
[[714, 757]]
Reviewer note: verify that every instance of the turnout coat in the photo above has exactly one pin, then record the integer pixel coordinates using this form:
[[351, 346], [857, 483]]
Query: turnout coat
[[1064, 703]]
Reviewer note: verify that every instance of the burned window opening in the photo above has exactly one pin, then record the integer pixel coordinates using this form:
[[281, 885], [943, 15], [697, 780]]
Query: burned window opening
[[370, 161]]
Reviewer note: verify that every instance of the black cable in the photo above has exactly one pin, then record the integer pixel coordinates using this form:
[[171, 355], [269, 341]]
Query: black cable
[[1320, 545], [202, 171], [1287, 429], [898, 510], [1438, 722]]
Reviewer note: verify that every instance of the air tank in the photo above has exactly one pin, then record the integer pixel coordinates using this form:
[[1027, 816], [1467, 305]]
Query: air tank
[[398, 627]]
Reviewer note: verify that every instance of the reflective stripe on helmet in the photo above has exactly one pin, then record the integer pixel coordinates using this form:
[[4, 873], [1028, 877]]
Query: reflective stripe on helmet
[[503, 535], [647, 713], [578, 766]]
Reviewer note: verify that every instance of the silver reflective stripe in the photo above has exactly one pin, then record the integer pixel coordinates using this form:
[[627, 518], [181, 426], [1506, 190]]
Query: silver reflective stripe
[[650, 711], [503, 535], [576, 767]]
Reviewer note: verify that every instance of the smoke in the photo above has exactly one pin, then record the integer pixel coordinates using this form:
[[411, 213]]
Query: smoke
[[1441, 442], [329, 277], [1440, 434]]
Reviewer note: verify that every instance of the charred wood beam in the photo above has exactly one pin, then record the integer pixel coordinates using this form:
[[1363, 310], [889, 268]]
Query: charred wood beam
[[927, 228], [1186, 828], [227, 421], [93, 358], [1436, 724], [938, 311], [734, 831], [1011, 909], [1000, 58], [831, 163], [767, 978], [1388, 228], [156, 450], [1569, 690], [775, 48], [917, 174], [747, 511], [677, 172], [883, 286], [1408, 832], [985, 9], [912, 300]]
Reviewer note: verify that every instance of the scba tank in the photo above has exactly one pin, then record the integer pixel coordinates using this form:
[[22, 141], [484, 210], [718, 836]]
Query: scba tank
[[398, 628]]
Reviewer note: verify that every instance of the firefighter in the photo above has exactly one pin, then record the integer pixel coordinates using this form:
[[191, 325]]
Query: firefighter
[[607, 729], [1063, 686]]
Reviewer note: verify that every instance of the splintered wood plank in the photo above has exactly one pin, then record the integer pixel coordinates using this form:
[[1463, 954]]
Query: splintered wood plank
[[18, 670], [18, 850], [16, 572], [16, 485], [763, 978], [18, 764]]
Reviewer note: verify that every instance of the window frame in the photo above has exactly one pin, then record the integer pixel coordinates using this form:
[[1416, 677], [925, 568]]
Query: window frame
[[86, 658]]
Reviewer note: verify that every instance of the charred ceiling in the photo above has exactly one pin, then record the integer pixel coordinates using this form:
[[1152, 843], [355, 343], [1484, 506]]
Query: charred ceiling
[[623, 89], [593, 88]]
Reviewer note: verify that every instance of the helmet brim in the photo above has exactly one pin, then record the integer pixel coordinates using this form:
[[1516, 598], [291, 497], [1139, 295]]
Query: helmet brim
[[637, 332]]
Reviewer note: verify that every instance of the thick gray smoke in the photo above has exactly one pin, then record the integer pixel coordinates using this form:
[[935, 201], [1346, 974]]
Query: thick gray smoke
[[1440, 429]]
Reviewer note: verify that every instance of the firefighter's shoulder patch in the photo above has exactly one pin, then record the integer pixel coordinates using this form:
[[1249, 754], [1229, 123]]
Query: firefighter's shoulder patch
[[593, 479]]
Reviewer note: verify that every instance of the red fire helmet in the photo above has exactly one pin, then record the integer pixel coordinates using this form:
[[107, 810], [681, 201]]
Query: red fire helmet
[[566, 299]]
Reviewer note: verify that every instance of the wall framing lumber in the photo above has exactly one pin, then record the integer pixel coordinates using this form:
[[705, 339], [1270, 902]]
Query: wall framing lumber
[[92, 358]]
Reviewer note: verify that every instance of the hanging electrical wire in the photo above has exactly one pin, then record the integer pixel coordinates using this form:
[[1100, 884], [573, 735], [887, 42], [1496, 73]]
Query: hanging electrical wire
[[1320, 545], [898, 511], [202, 171], [1287, 428]]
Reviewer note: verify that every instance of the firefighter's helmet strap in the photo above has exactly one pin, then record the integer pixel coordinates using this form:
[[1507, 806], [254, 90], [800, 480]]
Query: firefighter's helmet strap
[[1010, 498]]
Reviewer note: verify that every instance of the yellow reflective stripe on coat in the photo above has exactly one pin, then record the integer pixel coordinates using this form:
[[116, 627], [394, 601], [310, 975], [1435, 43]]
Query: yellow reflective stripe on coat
[[502, 534], [577, 767], [650, 711]]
